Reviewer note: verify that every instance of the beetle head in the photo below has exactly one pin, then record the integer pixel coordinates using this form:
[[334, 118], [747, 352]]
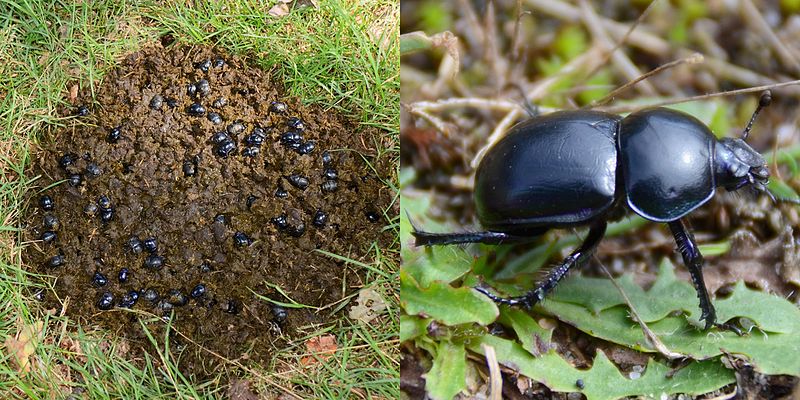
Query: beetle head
[[736, 165]]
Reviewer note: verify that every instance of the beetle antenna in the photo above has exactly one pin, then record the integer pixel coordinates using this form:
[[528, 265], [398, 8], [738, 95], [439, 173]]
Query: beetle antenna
[[529, 107], [779, 199], [765, 100]]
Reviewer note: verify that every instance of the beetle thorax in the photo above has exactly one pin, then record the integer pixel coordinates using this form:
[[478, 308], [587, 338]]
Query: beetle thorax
[[736, 165]]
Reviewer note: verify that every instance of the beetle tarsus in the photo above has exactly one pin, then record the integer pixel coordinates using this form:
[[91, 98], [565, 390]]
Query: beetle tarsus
[[728, 327], [578, 257], [526, 301], [694, 262]]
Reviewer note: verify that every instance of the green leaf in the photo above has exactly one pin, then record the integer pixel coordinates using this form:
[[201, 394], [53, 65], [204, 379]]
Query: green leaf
[[534, 338], [448, 376], [412, 327], [604, 380], [445, 303], [595, 307], [427, 265]]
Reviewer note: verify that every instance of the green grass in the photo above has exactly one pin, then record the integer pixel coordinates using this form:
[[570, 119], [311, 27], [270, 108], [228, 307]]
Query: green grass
[[342, 55]]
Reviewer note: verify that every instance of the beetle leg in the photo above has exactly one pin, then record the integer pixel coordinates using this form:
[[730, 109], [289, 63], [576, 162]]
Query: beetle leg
[[578, 257], [487, 237], [694, 262]]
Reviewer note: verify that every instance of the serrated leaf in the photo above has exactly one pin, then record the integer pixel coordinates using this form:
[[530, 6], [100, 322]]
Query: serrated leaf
[[444, 303], [426, 265], [772, 348], [604, 381], [448, 376]]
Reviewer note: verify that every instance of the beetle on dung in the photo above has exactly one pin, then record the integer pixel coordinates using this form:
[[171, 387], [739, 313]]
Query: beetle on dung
[[583, 168]]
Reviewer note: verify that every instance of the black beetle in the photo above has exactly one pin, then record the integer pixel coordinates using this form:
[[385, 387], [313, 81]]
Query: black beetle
[[580, 167]]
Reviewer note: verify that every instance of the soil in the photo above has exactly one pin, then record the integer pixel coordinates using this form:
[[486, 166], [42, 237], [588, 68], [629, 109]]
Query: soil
[[194, 218]]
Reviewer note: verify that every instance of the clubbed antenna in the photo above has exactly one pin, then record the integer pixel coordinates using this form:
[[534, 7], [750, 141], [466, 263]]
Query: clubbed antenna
[[766, 99]]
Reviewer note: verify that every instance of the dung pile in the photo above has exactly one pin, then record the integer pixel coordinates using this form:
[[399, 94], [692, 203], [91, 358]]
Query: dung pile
[[190, 187]]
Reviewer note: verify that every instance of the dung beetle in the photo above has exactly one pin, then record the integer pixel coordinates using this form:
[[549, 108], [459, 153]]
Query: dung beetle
[[47, 203], [577, 168]]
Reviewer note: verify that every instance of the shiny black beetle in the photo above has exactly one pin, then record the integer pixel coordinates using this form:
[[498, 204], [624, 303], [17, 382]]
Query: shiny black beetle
[[578, 168]]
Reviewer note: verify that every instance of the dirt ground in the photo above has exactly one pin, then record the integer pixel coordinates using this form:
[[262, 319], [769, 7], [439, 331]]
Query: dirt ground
[[226, 213]]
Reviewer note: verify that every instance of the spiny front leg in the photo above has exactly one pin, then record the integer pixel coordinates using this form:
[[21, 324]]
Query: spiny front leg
[[578, 257], [694, 262]]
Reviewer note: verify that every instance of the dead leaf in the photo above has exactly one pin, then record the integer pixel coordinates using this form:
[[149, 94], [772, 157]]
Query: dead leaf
[[321, 347], [370, 304], [23, 345], [73, 93], [241, 389], [279, 10]]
